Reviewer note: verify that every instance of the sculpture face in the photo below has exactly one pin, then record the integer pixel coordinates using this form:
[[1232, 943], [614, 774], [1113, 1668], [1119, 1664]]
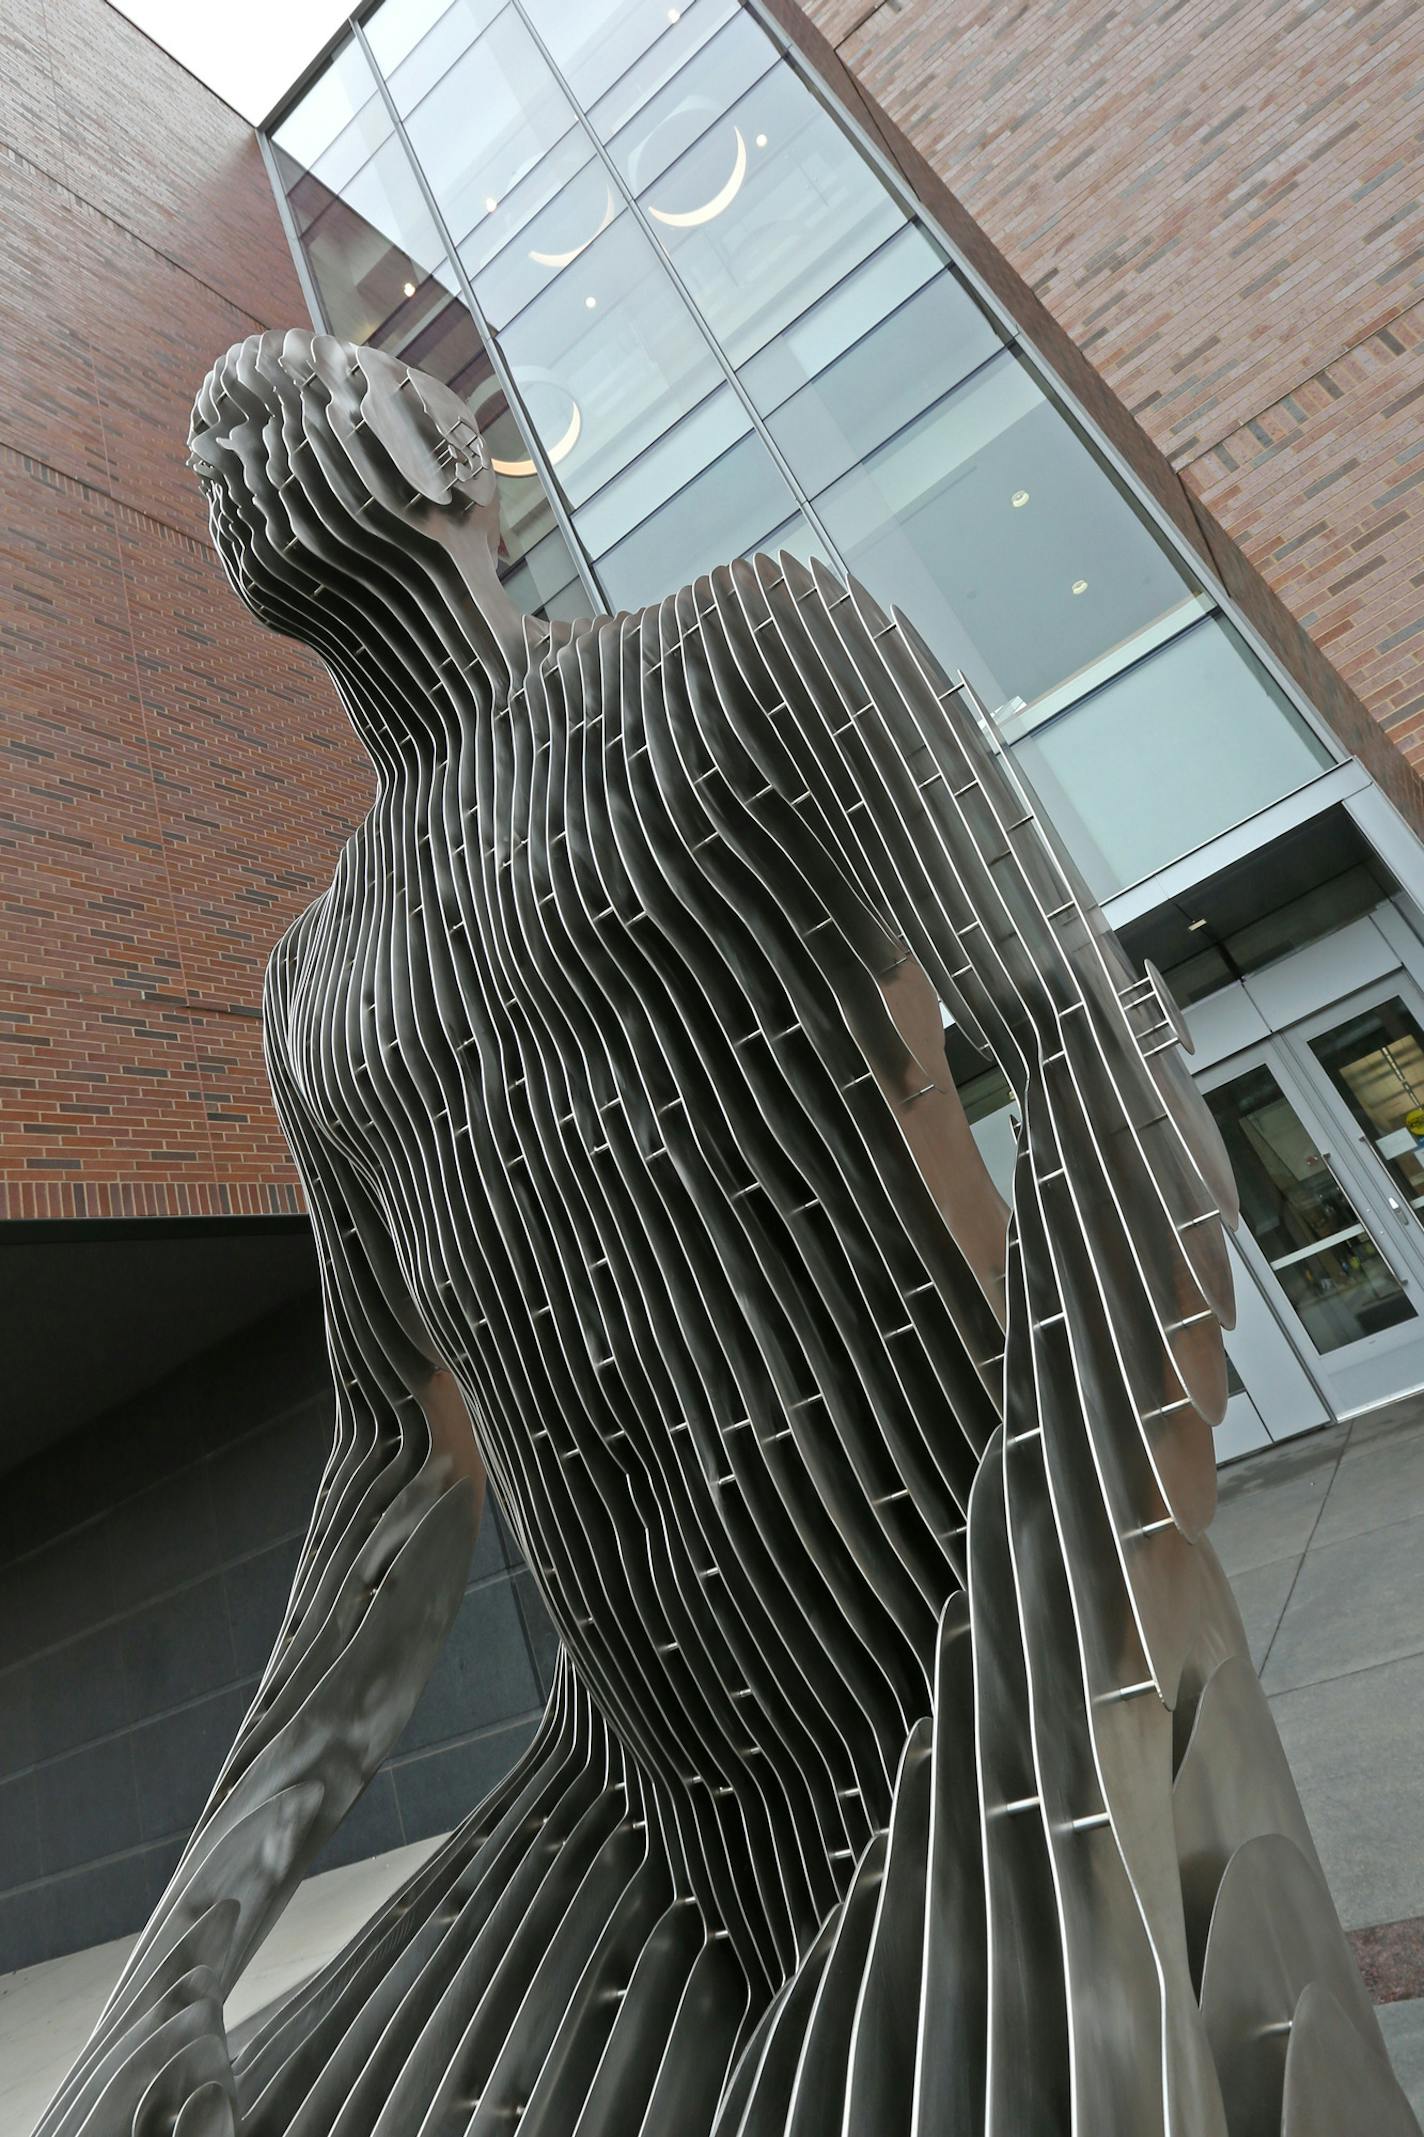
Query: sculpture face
[[387, 456]]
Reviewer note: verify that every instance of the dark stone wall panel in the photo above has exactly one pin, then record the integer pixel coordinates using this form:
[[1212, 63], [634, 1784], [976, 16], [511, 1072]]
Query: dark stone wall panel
[[131, 1641]]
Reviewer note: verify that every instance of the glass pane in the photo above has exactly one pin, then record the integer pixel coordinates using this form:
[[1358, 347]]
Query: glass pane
[[693, 103], [663, 470], [761, 208], [538, 230], [415, 41], [991, 523], [429, 328], [1174, 751], [525, 513], [341, 105], [1376, 1062], [607, 359], [879, 286], [365, 273], [488, 122], [599, 43], [724, 513], [1301, 1218], [891, 376], [795, 534], [386, 192], [571, 603]]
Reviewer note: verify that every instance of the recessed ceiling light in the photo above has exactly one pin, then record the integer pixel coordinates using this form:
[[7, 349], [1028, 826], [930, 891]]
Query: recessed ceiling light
[[1080, 586], [1193, 925], [410, 289], [674, 14], [589, 303], [490, 204], [761, 140], [1020, 497]]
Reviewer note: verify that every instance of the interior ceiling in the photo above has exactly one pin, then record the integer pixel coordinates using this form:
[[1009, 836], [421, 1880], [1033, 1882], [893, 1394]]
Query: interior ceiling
[[1262, 882], [90, 1316]]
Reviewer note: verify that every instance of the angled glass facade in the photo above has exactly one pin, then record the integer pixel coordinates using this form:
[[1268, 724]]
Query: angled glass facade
[[694, 321]]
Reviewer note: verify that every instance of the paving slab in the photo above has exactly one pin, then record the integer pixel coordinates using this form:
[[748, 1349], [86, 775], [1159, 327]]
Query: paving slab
[[1356, 1747], [1355, 1604], [1403, 2027], [1269, 1504], [1389, 1420], [1261, 1593], [1380, 1480]]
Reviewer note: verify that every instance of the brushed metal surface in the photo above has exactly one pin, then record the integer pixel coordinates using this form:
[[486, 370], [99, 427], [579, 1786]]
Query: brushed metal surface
[[904, 1770]]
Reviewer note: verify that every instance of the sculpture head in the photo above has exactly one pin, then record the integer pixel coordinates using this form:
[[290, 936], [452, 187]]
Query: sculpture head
[[317, 456]]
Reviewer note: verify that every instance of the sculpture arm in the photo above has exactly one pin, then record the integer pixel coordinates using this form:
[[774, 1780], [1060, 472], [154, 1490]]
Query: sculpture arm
[[378, 1583]]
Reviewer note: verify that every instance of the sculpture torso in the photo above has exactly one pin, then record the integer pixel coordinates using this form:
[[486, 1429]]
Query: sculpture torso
[[651, 1177]]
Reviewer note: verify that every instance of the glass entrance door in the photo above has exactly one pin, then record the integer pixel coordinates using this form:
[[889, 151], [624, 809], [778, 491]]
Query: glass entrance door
[[1325, 1129], [1373, 1060]]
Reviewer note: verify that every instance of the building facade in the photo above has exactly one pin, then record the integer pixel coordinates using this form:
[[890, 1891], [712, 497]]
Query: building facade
[[178, 780], [716, 278]]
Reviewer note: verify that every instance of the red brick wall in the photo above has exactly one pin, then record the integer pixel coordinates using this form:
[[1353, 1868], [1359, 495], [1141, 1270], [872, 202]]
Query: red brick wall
[[1211, 219], [176, 781]]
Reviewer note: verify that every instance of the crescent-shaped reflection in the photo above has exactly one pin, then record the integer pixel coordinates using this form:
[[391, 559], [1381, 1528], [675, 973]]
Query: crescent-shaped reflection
[[562, 259], [557, 452], [713, 207]]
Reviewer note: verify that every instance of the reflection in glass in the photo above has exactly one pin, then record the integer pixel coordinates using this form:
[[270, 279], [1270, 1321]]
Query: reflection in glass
[[665, 468], [622, 46], [761, 204], [366, 276], [891, 375], [386, 193], [1301, 1218], [487, 123], [1376, 1062], [544, 577], [870, 293], [694, 102], [992, 524], [1171, 753], [413, 42], [726, 512], [542, 226], [526, 516], [612, 337], [341, 105]]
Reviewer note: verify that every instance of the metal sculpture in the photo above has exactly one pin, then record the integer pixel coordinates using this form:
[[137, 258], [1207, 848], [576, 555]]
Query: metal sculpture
[[905, 1771]]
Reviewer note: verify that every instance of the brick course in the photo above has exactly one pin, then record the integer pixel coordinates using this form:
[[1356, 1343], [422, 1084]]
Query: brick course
[[177, 780], [1210, 218]]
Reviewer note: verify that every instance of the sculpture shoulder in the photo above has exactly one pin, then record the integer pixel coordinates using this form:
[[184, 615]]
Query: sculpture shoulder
[[728, 643]]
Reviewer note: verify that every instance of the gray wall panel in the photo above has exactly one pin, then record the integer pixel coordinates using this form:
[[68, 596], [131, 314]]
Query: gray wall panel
[[132, 1638]]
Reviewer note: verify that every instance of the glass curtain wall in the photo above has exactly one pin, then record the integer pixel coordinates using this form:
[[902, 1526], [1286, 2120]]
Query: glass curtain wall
[[694, 314]]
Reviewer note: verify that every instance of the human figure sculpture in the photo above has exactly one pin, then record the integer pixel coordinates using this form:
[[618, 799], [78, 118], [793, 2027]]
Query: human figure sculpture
[[905, 1770]]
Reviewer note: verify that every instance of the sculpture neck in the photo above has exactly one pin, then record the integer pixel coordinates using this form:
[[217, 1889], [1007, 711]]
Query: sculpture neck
[[415, 666]]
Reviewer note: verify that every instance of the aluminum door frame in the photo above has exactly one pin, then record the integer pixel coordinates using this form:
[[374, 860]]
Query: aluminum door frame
[[1297, 1038], [1361, 1377]]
